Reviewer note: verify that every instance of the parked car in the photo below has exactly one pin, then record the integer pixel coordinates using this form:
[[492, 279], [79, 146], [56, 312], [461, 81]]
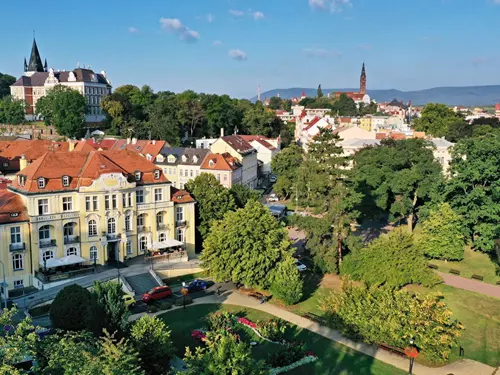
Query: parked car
[[156, 293], [129, 301], [195, 285], [300, 266], [273, 198], [273, 179]]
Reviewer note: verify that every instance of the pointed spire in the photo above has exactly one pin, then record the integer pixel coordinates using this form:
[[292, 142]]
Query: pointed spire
[[45, 66], [363, 72], [35, 64], [25, 65]]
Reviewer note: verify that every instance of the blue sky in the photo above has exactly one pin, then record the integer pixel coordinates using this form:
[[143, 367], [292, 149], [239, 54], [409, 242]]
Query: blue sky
[[232, 46]]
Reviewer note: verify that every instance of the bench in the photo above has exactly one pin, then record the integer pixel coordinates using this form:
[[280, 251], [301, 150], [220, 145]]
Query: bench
[[455, 272], [315, 318], [392, 349], [477, 277], [498, 282], [433, 266]]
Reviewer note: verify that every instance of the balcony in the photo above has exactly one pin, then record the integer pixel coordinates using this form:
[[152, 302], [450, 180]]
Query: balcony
[[51, 275], [143, 228], [161, 226], [47, 243], [113, 236], [180, 223], [20, 246], [71, 239]]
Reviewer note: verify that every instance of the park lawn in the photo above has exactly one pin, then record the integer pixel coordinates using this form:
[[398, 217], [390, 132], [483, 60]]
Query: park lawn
[[179, 279], [480, 315], [334, 358]]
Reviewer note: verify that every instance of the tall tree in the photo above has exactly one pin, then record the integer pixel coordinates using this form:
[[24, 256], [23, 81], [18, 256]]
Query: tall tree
[[473, 190], [109, 297], [344, 106], [261, 121], [319, 92], [5, 82], [243, 194], [285, 166], [191, 114], [11, 111], [163, 123], [64, 108], [437, 119], [275, 103]]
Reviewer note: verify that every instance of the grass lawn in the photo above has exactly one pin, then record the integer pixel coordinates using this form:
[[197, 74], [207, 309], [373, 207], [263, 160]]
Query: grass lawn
[[40, 311], [333, 357], [179, 279], [474, 263]]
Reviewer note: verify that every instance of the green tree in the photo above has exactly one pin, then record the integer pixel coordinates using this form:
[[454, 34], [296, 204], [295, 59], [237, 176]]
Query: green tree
[[64, 108], [151, 338], [319, 92], [222, 112], [344, 106], [245, 246], [109, 297], [5, 82], [243, 194], [287, 283], [275, 103], [382, 315], [11, 111], [163, 120], [191, 114], [443, 234], [285, 166], [436, 120], [400, 176], [398, 261], [223, 355], [473, 189], [261, 121]]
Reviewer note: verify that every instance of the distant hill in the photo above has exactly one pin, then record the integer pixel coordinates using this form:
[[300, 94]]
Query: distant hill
[[466, 96]]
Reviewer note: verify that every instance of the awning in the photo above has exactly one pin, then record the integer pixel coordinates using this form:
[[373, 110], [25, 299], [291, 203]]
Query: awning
[[169, 242], [64, 261]]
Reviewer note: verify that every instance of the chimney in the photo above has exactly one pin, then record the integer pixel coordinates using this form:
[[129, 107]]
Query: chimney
[[71, 144], [153, 142], [221, 132], [134, 141], [23, 163], [128, 141]]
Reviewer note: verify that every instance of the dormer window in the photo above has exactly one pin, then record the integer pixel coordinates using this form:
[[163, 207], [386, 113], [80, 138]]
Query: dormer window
[[21, 179], [157, 174], [184, 158], [65, 180], [149, 157], [195, 159], [41, 183], [160, 159], [211, 163], [137, 175], [171, 159]]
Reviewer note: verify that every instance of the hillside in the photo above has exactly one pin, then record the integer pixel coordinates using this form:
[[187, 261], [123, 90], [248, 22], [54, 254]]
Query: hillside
[[466, 96]]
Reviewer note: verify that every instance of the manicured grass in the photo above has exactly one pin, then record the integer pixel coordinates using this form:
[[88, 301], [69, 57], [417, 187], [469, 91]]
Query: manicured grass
[[179, 279], [474, 263], [40, 311], [333, 357]]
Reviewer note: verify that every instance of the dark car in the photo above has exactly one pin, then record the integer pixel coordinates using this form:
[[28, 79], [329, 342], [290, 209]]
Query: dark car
[[156, 293], [195, 285]]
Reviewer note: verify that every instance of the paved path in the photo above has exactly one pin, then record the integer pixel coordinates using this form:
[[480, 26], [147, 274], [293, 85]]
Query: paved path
[[461, 367], [471, 285]]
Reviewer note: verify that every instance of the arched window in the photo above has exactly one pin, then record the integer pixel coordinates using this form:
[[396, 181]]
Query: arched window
[[47, 255], [69, 229], [143, 244], [179, 233], [141, 220], [44, 233], [92, 228], [159, 219], [128, 223], [71, 251], [111, 225], [162, 237], [17, 262], [93, 253]]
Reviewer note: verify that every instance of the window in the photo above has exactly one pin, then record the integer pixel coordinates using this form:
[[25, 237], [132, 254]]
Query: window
[[143, 244], [140, 220], [15, 234], [218, 176], [65, 180], [191, 173], [67, 204], [49, 254], [179, 213], [44, 233], [197, 173], [18, 284], [137, 176], [93, 253], [225, 177], [179, 234], [111, 225], [128, 223], [69, 229], [159, 218], [113, 201], [88, 204], [92, 228], [158, 195], [139, 196], [128, 247], [157, 174], [162, 237], [43, 206], [17, 262], [94, 203], [71, 251], [127, 199], [106, 202], [41, 183]]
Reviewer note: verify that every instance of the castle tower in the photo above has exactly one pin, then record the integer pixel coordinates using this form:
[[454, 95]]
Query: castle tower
[[35, 63], [258, 93], [362, 80]]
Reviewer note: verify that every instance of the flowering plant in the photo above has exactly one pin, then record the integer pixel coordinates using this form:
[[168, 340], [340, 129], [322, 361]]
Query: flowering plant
[[247, 322], [198, 334]]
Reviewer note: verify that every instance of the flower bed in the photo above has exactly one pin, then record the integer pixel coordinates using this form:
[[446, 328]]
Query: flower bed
[[304, 361], [198, 334]]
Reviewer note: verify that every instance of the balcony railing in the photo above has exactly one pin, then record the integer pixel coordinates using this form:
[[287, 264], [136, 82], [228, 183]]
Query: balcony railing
[[47, 277], [161, 226], [113, 236], [71, 239], [143, 228], [180, 223], [20, 246], [47, 243]]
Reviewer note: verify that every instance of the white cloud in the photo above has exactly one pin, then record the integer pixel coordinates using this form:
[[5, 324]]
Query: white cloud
[[133, 30], [259, 15], [236, 13], [333, 6], [237, 54], [210, 18], [175, 25], [217, 43], [320, 53]]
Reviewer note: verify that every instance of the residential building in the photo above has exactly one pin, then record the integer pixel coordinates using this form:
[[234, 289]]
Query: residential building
[[365, 123], [205, 143], [85, 208], [225, 167], [267, 149], [497, 110], [38, 80], [442, 152]]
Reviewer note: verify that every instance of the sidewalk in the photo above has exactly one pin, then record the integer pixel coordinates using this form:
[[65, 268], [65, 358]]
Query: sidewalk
[[461, 367], [470, 285]]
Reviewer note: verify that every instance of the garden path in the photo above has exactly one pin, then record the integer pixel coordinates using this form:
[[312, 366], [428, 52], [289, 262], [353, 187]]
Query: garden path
[[470, 285]]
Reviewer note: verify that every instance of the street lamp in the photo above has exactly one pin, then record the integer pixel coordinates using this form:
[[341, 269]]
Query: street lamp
[[412, 353], [4, 285]]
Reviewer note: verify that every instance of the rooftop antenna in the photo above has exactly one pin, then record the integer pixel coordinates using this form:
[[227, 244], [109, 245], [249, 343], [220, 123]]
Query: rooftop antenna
[[258, 93]]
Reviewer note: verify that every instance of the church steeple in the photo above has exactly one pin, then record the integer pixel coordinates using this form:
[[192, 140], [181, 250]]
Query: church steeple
[[45, 66], [25, 65], [35, 64], [362, 80]]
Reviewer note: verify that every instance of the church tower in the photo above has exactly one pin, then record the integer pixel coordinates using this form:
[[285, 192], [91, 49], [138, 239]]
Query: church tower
[[362, 80], [35, 64]]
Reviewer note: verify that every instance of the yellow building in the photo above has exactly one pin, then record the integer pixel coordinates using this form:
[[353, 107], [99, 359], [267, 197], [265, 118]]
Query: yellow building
[[98, 207], [365, 123]]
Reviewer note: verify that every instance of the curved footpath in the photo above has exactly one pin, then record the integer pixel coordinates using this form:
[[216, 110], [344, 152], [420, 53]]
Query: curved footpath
[[470, 285], [460, 367]]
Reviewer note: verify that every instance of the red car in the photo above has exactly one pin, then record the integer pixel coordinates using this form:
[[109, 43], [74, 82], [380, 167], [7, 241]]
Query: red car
[[157, 293]]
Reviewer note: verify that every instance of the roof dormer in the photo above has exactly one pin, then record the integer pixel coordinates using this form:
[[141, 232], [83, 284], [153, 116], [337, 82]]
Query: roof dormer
[[211, 163], [42, 181], [195, 159], [137, 175], [160, 159], [171, 158], [157, 174], [184, 158], [65, 181]]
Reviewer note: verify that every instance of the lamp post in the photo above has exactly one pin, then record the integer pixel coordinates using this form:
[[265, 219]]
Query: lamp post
[[184, 292], [4, 285], [412, 353]]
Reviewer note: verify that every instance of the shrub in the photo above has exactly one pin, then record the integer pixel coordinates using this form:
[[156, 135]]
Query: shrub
[[221, 320], [180, 301], [273, 329], [382, 315], [152, 308], [291, 352], [109, 296], [286, 283]]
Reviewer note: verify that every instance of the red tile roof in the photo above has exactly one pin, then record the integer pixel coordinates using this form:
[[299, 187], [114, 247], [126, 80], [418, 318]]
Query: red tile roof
[[32, 149], [313, 122], [258, 138], [220, 162], [238, 144], [497, 107], [181, 196], [12, 209]]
